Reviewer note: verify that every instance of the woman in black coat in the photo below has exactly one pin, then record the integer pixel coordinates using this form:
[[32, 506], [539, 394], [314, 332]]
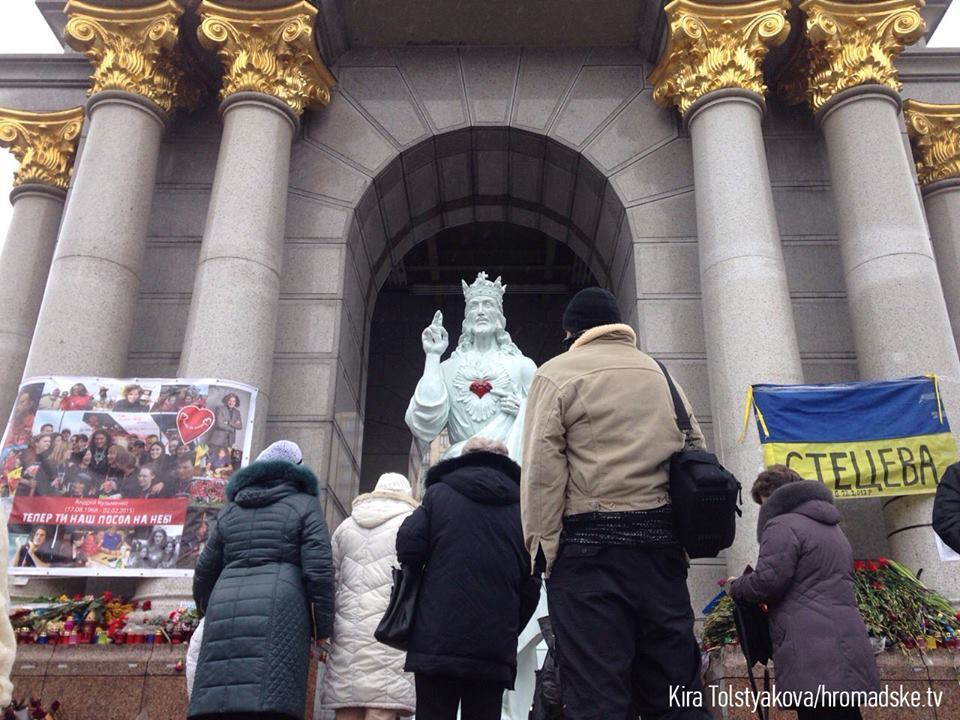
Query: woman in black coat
[[264, 582], [805, 576], [477, 593]]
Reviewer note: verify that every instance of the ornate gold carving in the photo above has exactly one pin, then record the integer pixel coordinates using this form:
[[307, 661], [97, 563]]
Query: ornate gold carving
[[710, 47], [44, 144], [269, 51], [851, 44], [935, 135], [132, 49]]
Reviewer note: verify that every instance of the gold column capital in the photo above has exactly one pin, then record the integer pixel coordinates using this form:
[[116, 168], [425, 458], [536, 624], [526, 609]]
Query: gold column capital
[[44, 144], [711, 47], [935, 136], [852, 44], [269, 51], [133, 49]]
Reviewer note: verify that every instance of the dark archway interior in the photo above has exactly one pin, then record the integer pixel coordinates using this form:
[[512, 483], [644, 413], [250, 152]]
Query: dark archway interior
[[541, 274]]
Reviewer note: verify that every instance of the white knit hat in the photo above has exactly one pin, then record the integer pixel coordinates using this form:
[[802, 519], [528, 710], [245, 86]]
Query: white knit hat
[[393, 482], [282, 450]]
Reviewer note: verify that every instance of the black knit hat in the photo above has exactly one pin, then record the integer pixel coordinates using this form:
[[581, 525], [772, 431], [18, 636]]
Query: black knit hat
[[590, 308]]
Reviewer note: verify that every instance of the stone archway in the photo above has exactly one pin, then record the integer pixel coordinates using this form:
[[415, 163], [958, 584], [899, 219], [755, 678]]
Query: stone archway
[[416, 140]]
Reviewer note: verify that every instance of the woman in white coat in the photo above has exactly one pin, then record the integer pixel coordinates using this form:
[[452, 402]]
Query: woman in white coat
[[364, 680]]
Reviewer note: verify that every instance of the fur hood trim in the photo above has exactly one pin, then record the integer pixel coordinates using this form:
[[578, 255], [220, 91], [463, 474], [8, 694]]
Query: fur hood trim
[[790, 497], [601, 330], [477, 459], [273, 473]]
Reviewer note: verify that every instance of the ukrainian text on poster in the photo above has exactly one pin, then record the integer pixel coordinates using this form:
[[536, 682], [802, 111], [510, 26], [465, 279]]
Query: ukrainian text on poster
[[115, 477], [861, 439]]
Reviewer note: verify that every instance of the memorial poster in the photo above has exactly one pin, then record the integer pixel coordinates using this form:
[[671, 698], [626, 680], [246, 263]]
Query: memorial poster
[[119, 477]]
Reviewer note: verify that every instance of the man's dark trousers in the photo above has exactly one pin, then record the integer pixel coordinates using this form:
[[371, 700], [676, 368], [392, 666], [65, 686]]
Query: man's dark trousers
[[439, 697], [624, 630]]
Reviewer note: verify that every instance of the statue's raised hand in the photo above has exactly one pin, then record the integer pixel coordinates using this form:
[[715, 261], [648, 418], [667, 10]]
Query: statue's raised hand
[[434, 337]]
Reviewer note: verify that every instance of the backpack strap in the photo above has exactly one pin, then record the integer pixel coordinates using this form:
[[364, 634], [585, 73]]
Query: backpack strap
[[683, 418]]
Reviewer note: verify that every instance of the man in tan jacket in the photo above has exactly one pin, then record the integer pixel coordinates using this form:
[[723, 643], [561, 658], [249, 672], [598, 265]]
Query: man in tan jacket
[[598, 435]]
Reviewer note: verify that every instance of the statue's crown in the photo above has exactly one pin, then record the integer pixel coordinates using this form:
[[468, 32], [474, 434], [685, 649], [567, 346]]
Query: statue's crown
[[482, 287]]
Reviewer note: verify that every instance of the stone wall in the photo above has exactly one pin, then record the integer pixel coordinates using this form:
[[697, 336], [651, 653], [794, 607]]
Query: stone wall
[[96, 682], [937, 670]]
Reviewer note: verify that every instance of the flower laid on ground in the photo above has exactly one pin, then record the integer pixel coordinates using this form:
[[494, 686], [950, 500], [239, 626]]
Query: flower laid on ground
[[894, 604], [32, 709]]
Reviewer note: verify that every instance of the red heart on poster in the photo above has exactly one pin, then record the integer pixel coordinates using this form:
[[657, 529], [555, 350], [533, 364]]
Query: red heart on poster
[[193, 421], [480, 387]]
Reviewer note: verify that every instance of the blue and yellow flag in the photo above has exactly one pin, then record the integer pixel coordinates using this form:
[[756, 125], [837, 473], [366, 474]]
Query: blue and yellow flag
[[862, 439]]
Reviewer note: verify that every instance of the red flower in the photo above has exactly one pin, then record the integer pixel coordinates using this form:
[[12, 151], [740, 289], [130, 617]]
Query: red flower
[[857, 565], [882, 561], [107, 597], [146, 605], [172, 615], [721, 582], [871, 566], [78, 596], [876, 585]]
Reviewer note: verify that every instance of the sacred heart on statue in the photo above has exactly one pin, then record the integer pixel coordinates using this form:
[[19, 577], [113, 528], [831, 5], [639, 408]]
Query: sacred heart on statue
[[193, 421], [480, 387]]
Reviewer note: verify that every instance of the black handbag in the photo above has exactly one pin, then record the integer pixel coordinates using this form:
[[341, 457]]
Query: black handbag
[[753, 632], [705, 496], [547, 696], [394, 628]]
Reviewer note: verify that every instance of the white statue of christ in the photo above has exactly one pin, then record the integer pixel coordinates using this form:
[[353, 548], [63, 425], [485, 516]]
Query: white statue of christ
[[481, 390]]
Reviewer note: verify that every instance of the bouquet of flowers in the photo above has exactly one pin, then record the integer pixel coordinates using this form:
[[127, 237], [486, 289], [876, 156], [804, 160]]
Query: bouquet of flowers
[[896, 605], [177, 626], [896, 608], [718, 624]]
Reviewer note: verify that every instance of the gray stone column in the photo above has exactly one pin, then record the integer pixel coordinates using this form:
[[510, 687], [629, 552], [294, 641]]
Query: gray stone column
[[934, 130], [233, 314], [897, 307], [44, 144], [27, 252], [236, 295], [747, 313], [942, 203], [135, 81], [100, 250]]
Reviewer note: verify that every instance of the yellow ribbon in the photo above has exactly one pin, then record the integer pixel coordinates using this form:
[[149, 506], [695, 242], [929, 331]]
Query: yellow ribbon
[[747, 405], [936, 394]]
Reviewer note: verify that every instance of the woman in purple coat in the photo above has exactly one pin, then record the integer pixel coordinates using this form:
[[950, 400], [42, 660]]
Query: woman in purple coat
[[805, 576]]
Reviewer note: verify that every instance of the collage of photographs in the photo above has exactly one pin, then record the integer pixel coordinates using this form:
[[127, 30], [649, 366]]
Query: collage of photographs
[[110, 475]]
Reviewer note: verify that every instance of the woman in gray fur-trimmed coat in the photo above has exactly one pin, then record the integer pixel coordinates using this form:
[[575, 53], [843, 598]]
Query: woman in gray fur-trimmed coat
[[264, 582], [805, 576]]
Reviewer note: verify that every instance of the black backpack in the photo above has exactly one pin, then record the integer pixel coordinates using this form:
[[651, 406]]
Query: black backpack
[[705, 496]]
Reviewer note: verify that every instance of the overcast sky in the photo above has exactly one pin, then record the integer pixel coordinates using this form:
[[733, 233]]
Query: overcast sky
[[24, 31]]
